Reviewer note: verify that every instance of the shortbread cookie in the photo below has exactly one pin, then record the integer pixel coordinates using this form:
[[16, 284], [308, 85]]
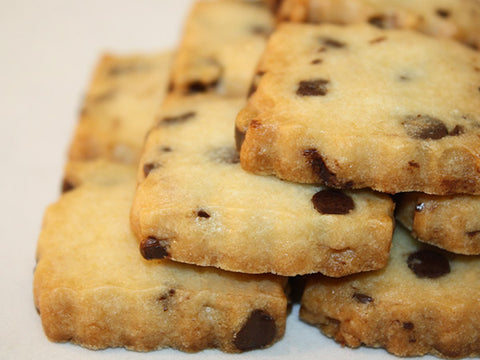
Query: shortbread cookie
[[424, 301], [357, 106], [92, 287], [458, 19], [120, 106], [221, 44], [450, 222], [195, 204]]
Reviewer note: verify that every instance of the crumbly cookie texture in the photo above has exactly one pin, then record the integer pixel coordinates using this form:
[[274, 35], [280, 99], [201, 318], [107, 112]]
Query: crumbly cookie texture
[[120, 106], [424, 301], [449, 222], [220, 47], [457, 19], [195, 204], [357, 106], [92, 287]]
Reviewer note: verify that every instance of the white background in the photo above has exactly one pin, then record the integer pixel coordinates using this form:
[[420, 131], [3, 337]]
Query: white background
[[48, 50]]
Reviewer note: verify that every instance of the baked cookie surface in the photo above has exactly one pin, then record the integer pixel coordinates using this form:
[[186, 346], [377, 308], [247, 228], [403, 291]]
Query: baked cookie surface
[[457, 19], [119, 107], [195, 204], [221, 44], [93, 288], [450, 222], [357, 106], [424, 301]]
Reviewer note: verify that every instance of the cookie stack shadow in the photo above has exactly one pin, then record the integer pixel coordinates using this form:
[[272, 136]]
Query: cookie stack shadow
[[264, 163]]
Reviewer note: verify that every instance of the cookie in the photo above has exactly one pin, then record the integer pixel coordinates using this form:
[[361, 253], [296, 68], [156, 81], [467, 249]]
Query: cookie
[[93, 288], [450, 222], [424, 301], [221, 44], [195, 204], [457, 19], [120, 106], [357, 106]]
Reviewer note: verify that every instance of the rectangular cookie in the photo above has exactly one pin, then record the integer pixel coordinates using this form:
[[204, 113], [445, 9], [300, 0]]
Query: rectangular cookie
[[425, 301], [195, 204], [221, 44], [93, 288], [357, 106], [120, 106], [450, 222], [457, 19]]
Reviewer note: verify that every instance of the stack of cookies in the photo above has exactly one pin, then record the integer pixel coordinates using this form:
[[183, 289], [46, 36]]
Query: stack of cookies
[[278, 149]]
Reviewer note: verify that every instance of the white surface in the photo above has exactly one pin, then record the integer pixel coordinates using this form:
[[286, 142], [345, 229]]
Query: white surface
[[48, 50]]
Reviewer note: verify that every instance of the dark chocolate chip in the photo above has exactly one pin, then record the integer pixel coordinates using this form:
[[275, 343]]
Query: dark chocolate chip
[[239, 138], [198, 86], [413, 164], [332, 202], [317, 87], [251, 89], [473, 233], [166, 149], [153, 248], [404, 77], [362, 298], [148, 167], [203, 214], [424, 127], [428, 264], [321, 170], [316, 61], [170, 120], [379, 21], [258, 331], [67, 186], [332, 43], [457, 130], [408, 325], [444, 13]]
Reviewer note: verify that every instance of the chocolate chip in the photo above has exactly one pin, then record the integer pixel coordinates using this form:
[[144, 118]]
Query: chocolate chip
[[203, 214], [443, 13], [170, 120], [413, 164], [408, 325], [153, 248], [148, 167], [260, 30], [362, 298], [164, 298], [332, 43], [473, 233], [166, 149], [239, 138], [321, 170], [457, 130], [258, 331], [379, 21], [316, 87], [316, 61], [198, 86], [424, 127], [67, 186], [332, 202], [428, 264], [251, 89]]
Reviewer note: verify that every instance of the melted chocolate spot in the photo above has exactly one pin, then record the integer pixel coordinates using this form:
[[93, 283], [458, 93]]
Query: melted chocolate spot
[[316, 87], [203, 214], [332, 43], [332, 202], [473, 233], [321, 170], [362, 298], [443, 13], [316, 61], [378, 21], [424, 127], [166, 149], [67, 186], [258, 331], [428, 264], [408, 325], [457, 130], [153, 248], [148, 167], [239, 138], [197, 86], [413, 164], [179, 119]]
